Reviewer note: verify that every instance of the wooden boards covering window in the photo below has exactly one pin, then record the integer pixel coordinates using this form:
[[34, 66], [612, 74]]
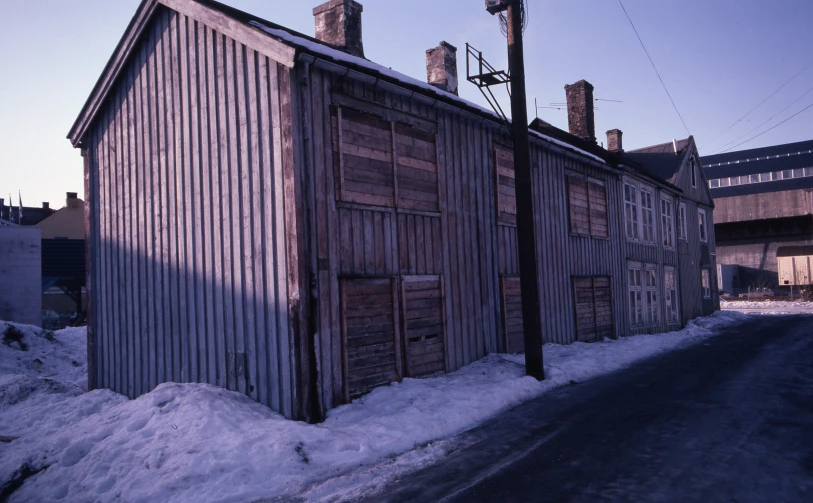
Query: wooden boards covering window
[[370, 333], [506, 185], [511, 303], [594, 318], [383, 162], [416, 169], [424, 333], [364, 168], [588, 206]]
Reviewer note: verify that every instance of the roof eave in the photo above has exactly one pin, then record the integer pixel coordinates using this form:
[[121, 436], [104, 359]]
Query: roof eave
[[247, 35]]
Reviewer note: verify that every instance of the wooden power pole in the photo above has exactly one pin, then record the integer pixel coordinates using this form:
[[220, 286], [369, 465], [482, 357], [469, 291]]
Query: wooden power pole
[[528, 272]]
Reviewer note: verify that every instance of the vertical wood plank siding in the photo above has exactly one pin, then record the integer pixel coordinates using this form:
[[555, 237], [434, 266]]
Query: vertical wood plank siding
[[189, 264], [464, 243]]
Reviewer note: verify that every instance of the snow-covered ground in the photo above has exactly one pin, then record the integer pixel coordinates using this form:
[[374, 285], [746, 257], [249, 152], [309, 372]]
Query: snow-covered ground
[[767, 306], [199, 443]]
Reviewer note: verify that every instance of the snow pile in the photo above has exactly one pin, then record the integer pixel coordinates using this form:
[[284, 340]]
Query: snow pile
[[31, 351], [194, 442], [768, 306]]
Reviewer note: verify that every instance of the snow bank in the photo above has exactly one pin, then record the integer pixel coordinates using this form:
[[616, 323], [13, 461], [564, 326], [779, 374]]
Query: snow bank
[[194, 442]]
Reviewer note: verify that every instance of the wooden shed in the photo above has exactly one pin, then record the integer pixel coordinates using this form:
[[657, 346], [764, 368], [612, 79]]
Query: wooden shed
[[275, 214]]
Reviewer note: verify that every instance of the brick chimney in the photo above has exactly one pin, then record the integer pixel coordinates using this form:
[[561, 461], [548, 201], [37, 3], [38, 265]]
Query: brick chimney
[[46, 205], [614, 140], [338, 23], [72, 200], [580, 119], [441, 67]]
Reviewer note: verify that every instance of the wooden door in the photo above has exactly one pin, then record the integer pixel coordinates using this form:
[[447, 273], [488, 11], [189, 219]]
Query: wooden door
[[424, 325], [511, 308], [594, 314], [370, 334]]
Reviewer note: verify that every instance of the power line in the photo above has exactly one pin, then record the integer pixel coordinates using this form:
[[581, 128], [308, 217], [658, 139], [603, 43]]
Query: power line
[[654, 67], [766, 121], [774, 127], [759, 105]]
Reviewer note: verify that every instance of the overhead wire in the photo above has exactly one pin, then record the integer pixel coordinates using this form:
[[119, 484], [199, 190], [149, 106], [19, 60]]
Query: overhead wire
[[769, 129], [764, 122], [758, 105], [654, 67]]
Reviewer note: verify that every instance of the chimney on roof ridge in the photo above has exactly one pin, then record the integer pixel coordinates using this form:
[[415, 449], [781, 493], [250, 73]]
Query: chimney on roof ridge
[[46, 205], [441, 67], [338, 24], [580, 118], [614, 141]]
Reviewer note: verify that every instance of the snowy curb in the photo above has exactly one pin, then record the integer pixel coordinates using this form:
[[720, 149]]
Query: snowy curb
[[195, 442]]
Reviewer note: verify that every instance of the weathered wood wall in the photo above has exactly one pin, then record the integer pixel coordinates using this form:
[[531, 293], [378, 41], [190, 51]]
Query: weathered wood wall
[[467, 238], [189, 242]]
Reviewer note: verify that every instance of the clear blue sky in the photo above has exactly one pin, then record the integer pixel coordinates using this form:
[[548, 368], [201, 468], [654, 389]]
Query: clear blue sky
[[719, 59]]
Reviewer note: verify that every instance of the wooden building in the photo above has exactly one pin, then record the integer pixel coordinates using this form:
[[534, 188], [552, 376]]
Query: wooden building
[[275, 214]]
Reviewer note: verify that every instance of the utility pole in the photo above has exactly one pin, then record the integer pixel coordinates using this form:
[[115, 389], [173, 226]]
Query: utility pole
[[528, 272]]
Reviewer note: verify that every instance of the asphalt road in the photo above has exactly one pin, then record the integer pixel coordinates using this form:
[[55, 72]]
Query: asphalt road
[[728, 420]]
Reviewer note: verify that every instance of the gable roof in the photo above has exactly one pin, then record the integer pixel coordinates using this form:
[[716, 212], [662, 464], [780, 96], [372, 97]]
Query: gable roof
[[660, 161]]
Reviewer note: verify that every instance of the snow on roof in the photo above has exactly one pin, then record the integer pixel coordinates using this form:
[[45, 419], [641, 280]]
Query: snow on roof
[[345, 59]]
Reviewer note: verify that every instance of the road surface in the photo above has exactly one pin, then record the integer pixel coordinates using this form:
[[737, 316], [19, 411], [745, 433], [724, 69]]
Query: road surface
[[727, 420]]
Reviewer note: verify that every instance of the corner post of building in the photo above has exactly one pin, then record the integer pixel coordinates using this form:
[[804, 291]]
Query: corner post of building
[[529, 274], [90, 226]]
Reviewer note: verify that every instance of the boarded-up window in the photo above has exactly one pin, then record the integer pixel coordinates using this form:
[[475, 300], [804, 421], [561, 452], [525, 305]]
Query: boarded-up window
[[506, 185], [594, 315], [370, 333], [365, 173], [598, 209], [417, 168], [511, 300], [423, 325], [579, 205], [588, 206]]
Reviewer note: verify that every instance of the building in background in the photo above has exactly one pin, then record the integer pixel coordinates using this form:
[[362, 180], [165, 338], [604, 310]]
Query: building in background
[[32, 215], [762, 202], [63, 264], [20, 270]]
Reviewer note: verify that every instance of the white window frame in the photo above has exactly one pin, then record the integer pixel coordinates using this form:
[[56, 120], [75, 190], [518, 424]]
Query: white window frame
[[667, 222], [631, 211], [703, 225], [647, 213], [635, 289], [670, 296], [684, 233], [651, 297], [643, 294], [705, 282]]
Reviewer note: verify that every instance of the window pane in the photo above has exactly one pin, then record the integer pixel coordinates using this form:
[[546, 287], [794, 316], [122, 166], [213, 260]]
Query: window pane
[[808, 171], [787, 174], [724, 182], [754, 178], [798, 173], [714, 183], [735, 180], [744, 179], [765, 177]]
